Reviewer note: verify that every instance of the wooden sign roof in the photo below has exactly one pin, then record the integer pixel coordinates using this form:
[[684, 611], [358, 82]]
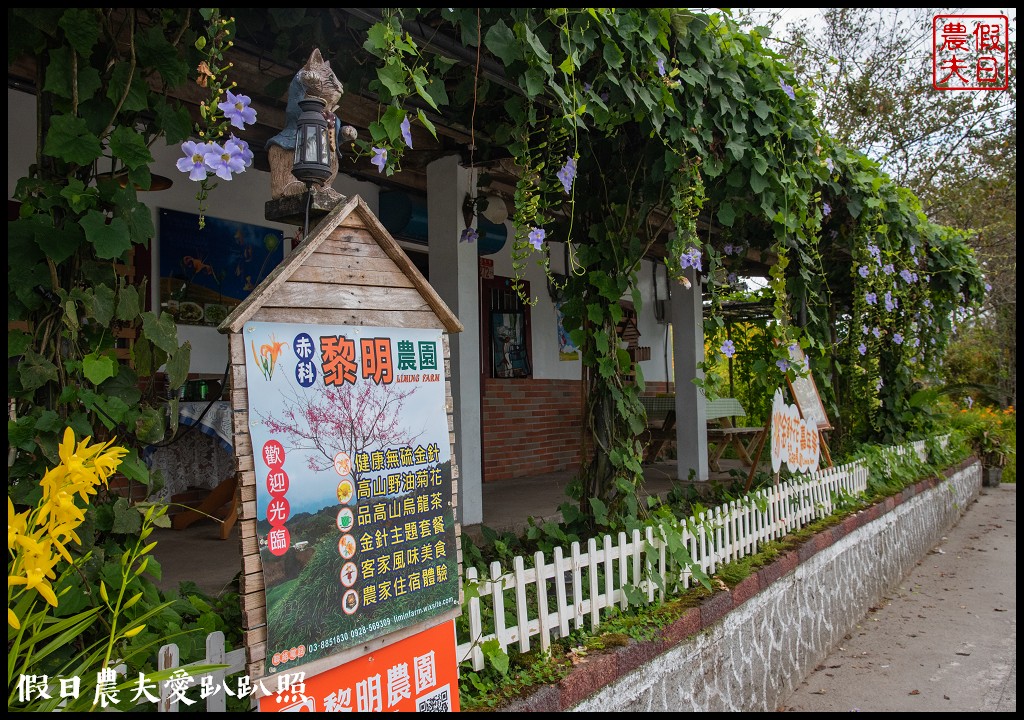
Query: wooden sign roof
[[349, 270]]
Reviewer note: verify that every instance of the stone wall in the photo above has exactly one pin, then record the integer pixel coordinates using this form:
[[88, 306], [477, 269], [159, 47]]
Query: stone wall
[[746, 648]]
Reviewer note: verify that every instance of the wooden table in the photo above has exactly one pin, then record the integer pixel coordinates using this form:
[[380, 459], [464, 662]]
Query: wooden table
[[725, 434]]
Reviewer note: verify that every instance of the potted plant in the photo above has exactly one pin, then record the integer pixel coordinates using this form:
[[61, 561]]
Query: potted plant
[[992, 451]]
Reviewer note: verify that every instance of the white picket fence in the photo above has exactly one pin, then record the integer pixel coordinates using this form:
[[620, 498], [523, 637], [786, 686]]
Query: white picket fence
[[572, 590], [550, 599], [168, 658]]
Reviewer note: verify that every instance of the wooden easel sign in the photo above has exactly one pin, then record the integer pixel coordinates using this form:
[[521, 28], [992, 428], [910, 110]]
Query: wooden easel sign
[[795, 440], [808, 401]]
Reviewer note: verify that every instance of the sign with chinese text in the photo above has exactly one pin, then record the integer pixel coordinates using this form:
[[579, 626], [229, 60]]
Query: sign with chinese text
[[352, 455], [970, 52], [418, 674], [795, 441]]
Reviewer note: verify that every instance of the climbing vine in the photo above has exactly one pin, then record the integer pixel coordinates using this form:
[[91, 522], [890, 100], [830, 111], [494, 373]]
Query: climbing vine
[[670, 115]]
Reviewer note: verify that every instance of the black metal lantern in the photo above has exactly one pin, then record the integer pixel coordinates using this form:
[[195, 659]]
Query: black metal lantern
[[312, 162]]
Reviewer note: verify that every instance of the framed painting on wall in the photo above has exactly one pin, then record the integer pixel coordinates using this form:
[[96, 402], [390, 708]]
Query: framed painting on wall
[[205, 273]]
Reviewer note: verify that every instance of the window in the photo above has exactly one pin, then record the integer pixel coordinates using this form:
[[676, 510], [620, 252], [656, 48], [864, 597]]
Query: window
[[506, 320]]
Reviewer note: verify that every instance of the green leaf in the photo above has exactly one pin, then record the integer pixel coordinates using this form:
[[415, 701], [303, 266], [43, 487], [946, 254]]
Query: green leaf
[[161, 331], [377, 39], [175, 121], [58, 244], [500, 41], [69, 140], [136, 98], [761, 109], [128, 303], [97, 368], [17, 342], [178, 364], [35, 370], [80, 197], [419, 81], [600, 511], [111, 239], [59, 77], [726, 213], [613, 56], [149, 427], [127, 520], [426, 123], [392, 76], [155, 51], [497, 658], [534, 43], [392, 122], [101, 306], [129, 147], [133, 468], [81, 28], [534, 81]]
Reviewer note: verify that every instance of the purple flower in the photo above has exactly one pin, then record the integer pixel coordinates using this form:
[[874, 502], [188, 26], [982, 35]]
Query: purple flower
[[783, 365], [888, 269], [788, 90], [567, 174], [913, 248], [587, 87], [194, 162], [988, 287], [469, 235], [241, 147], [907, 276], [732, 278], [793, 349], [829, 164], [926, 302], [878, 384], [876, 332], [864, 329], [870, 298], [916, 342], [407, 132], [826, 209], [222, 161], [913, 277], [537, 237], [661, 67], [380, 158], [864, 271], [898, 339], [728, 348], [890, 303], [604, 95], [970, 402], [691, 258], [862, 349], [237, 110], [727, 249], [874, 251]]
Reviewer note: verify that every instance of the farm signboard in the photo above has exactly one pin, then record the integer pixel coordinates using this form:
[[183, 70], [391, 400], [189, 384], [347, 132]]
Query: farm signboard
[[352, 456]]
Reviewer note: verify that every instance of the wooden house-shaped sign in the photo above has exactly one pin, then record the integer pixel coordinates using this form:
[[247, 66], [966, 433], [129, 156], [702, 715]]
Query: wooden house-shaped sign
[[343, 423]]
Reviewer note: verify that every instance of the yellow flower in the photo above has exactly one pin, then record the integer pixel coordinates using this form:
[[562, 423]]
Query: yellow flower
[[17, 524]]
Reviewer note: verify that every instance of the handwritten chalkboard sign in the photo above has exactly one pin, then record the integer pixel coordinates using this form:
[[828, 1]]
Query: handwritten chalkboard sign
[[805, 392]]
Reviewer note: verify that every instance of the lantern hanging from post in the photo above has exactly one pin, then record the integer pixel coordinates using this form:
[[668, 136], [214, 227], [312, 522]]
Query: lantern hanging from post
[[312, 162]]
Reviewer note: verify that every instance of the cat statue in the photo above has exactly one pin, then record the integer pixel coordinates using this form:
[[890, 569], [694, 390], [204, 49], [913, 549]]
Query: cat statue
[[314, 79]]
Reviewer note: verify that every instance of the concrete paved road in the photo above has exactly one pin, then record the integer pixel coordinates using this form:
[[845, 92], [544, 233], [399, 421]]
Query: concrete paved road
[[945, 639]]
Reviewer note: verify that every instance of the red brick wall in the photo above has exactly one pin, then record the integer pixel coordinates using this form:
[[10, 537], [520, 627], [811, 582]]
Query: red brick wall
[[530, 427]]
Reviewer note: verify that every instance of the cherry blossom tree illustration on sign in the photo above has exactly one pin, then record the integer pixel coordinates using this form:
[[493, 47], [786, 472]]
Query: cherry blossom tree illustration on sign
[[347, 418]]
